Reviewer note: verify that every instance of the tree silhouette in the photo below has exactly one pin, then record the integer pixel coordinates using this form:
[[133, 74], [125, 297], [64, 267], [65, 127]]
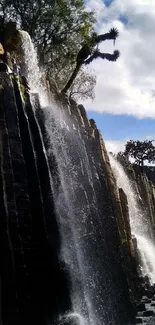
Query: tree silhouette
[[90, 52], [141, 151], [83, 86]]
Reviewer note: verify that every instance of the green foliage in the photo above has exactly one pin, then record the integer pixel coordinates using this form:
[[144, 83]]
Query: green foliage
[[141, 151], [1, 88], [123, 158], [64, 36], [58, 28], [124, 241]]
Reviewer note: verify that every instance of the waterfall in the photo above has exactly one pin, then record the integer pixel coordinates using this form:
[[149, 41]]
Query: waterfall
[[139, 226], [147, 251], [83, 249], [31, 68], [79, 221]]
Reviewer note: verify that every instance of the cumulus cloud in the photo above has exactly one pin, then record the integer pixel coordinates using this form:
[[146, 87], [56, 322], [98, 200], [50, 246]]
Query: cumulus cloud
[[150, 137], [119, 145], [127, 86], [115, 146]]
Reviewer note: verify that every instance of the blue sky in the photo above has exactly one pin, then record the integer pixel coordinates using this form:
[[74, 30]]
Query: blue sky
[[122, 127], [124, 106], [108, 2]]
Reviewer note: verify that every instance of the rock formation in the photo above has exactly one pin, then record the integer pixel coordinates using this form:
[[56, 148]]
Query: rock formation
[[144, 187], [29, 231], [35, 284]]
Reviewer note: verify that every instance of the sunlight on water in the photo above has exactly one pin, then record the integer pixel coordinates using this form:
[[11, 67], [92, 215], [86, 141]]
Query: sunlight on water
[[78, 215], [73, 318], [139, 226], [136, 215], [76, 223], [32, 69], [147, 251]]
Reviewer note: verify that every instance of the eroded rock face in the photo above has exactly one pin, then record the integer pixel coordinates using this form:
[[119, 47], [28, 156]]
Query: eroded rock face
[[34, 286], [114, 215], [145, 191]]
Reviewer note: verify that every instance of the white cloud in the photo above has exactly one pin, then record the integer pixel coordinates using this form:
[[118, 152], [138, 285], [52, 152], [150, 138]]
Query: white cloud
[[115, 146], [150, 137], [119, 145], [127, 86]]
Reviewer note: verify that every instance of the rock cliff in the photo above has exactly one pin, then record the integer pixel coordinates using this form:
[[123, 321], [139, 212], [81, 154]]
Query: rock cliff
[[35, 284], [145, 190], [29, 231]]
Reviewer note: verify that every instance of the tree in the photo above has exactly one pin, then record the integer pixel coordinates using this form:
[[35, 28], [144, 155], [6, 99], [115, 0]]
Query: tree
[[123, 158], [90, 51], [141, 151], [63, 33], [83, 86], [56, 27]]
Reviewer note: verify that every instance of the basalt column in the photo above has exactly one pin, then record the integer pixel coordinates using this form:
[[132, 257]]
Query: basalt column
[[34, 285]]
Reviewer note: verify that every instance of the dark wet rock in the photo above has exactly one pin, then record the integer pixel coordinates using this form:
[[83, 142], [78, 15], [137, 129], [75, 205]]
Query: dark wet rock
[[148, 313], [147, 301], [31, 273], [108, 210], [141, 307], [138, 321], [35, 284], [149, 294], [151, 321]]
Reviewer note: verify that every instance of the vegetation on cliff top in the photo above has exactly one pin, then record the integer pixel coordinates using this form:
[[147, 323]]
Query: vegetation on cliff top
[[63, 33], [140, 151]]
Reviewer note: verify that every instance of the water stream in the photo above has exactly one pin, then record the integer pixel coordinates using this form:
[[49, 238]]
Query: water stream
[[83, 248], [30, 68], [139, 226], [83, 252]]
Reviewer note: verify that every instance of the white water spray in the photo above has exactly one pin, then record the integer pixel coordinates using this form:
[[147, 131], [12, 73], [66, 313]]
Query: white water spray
[[72, 317], [139, 225], [76, 223], [78, 216], [32, 69], [147, 251]]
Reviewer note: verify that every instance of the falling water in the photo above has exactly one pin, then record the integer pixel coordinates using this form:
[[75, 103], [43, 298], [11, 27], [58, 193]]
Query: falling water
[[139, 226], [32, 69], [79, 221], [83, 248], [147, 250]]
